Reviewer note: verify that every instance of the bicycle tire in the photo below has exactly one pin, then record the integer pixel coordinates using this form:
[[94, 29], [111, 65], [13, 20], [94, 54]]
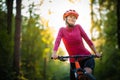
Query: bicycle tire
[[84, 77], [87, 77]]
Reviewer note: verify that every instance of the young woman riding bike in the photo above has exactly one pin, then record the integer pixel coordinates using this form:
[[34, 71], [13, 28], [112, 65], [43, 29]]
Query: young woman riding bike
[[72, 35]]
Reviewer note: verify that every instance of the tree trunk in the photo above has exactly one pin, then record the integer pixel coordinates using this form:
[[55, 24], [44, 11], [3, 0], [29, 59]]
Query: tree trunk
[[44, 69], [118, 22], [9, 4], [92, 20], [16, 62]]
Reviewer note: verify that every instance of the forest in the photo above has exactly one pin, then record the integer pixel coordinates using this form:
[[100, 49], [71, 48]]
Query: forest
[[26, 42]]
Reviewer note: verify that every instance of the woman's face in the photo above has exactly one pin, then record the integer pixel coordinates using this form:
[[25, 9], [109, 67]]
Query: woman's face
[[71, 19]]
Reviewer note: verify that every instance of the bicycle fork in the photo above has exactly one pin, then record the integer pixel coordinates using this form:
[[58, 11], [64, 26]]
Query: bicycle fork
[[77, 74]]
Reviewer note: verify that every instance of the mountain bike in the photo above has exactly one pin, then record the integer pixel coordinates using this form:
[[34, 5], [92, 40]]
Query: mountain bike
[[80, 74]]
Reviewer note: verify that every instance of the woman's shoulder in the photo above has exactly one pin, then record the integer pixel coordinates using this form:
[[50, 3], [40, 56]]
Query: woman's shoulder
[[78, 25], [62, 28]]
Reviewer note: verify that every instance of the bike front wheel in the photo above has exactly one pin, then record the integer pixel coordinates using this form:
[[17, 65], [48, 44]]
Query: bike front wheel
[[87, 77]]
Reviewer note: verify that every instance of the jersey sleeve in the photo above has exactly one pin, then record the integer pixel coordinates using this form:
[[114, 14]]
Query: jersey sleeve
[[58, 39], [84, 36]]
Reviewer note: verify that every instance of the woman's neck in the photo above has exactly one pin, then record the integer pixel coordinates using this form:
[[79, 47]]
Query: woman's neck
[[70, 26]]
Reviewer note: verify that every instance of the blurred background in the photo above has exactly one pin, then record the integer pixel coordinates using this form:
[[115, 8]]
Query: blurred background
[[28, 29]]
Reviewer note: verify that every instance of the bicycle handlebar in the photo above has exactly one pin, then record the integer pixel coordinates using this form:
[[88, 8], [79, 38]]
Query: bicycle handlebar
[[62, 58]]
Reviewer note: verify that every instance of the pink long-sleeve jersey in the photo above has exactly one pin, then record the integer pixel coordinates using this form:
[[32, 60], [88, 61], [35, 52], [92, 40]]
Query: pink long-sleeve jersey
[[72, 39]]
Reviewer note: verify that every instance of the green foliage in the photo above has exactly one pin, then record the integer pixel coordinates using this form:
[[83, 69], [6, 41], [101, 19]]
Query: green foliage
[[5, 49], [107, 68], [36, 49], [31, 50], [59, 70]]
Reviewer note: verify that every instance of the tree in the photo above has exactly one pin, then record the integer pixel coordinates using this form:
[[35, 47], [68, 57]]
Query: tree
[[16, 62], [6, 55], [9, 4], [118, 23]]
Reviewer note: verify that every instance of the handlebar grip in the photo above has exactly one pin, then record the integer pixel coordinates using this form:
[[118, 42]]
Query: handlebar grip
[[60, 58], [53, 58]]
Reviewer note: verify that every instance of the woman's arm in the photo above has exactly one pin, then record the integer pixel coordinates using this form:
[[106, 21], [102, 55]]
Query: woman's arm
[[93, 49], [95, 52], [57, 43], [89, 42]]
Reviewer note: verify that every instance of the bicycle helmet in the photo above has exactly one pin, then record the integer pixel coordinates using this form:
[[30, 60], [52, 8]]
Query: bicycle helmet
[[69, 12]]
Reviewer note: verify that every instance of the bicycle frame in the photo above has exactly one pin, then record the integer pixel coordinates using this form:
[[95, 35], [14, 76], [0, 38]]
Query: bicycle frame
[[79, 72]]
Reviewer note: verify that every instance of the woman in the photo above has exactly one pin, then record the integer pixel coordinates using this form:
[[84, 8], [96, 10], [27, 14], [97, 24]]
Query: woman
[[72, 36]]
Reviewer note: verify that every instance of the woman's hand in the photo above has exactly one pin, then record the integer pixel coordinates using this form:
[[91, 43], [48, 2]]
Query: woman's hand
[[98, 55], [54, 55]]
